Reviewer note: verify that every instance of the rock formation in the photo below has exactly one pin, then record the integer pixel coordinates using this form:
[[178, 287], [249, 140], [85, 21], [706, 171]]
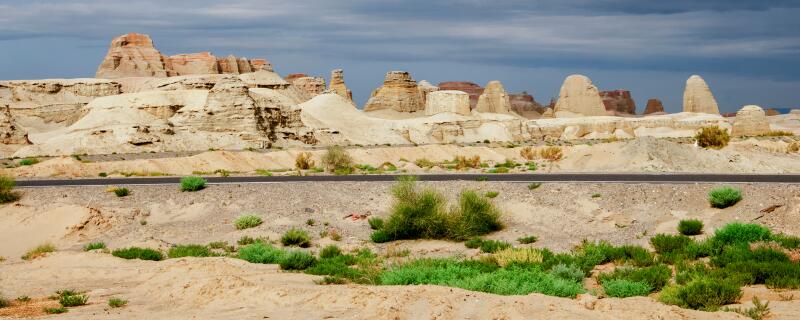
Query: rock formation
[[425, 88], [447, 101], [134, 55], [473, 89], [54, 101], [548, 113], [697, 97], [311, 85], [525, 105], [494, 99], [337, 84], [579, 97], [618, 101], [750, 121], [653, 106], [399, 92], [10, 132]]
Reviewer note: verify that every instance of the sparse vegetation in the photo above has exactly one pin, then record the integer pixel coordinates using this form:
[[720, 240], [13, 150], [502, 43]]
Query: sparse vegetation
[[712, 137], [758, 311], [338, 159], [7, 193], [424, 163], [724, 197], [529, 153], [192, 183], [296, 260], [121, 192], [622, 288], [28, 161], [520, 256], [70, 298], [491, 194], [247, 222], [117, 302], [39, 251], [551, 153], [260, 252], [492, 246], [296, 237], [55, 310], [778, 133], [691, 227], [527, 239], [375, 223], [463, 162], [94, 246], [534, 185], [303, 161], [138, 253], [189, 250]]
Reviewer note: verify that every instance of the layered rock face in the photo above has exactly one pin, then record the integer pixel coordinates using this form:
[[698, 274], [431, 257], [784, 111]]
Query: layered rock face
[[452, 101], [474, 90], [525, 105], [653, 106], [54, 101], [134, 55], [311, 85], [399, 92], [750, 121], [579, 97], [425, 88], [697, 97], [494, 99], [10, 132], [337, 84], [618, 101]]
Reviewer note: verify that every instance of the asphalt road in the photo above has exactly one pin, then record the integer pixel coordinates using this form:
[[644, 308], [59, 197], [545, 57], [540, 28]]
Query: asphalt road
[[544, 177]]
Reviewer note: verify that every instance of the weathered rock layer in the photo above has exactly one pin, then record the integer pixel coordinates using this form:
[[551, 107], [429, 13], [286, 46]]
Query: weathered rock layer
[[579, 97], [697, 97], [399, 92], [494, 99], [473, 89], [444, 101], [750, 121]]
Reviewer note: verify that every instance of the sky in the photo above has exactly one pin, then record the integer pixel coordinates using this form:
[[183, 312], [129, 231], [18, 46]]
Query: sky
[[747, 51]]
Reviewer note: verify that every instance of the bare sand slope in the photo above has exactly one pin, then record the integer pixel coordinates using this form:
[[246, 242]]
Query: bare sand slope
[[638, 155]]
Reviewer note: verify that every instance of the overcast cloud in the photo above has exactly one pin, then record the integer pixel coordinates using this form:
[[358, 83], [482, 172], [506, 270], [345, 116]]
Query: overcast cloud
[[748, 51]]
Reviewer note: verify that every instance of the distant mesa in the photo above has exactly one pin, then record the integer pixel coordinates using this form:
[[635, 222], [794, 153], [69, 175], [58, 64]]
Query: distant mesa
[[697, 97], [473, 89], [618, 102], [579, 97], [525, 105], [399, 92], [134, 55], [653, 106]]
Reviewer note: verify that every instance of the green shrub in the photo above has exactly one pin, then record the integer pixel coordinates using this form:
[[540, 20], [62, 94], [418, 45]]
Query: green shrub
[[336, 159], [189, 250], [664, 243], [39, 251], [375, 223], [690, 227], [498, 170], [474, 216], [621, 288], [534, 185], [138, 253], [380, 236], [7, 193], [57, 310], [296, 260], [491, 246], [117, 302], [102, 174], [702, 294], [787, 241], [712, 137], [330, 251], [656, 277], [94, 246], [69, 298], [28, 161], [260, 252], [759, 310], [724, 197], [247, 221], [296, 237], [121, 192], [473, 243], [568, 272], [527, 239], [738, 233], [192, 183], [491, 194]]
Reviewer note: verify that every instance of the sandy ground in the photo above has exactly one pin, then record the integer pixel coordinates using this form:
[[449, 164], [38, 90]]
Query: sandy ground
[[765, 155], [561, 215]]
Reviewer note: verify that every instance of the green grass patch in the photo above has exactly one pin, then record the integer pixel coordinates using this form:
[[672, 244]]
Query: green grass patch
[[691, 227], [527, 239], [724, 197], [94, 246], [121, 192], [138, 253], [260, 252], [247, 222], [39, 251], [117, 302], [192, 183], [189, 250], [296, 237], [622, 288]]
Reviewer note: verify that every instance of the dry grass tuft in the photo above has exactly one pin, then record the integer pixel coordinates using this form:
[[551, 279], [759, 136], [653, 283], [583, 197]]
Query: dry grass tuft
[[552, 153], [303, 161], [529, 153]]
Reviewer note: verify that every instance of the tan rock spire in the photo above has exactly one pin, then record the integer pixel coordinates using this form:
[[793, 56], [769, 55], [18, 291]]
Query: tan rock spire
[[337, 84], [399, 92], [494, 99], [578, 97], [697, 97]]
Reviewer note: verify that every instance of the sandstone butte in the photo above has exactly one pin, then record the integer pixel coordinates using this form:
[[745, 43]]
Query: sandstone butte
[[750, 121], [399, 92], [444, 101], [337, 84], [653, 106], [618, 101], [494, 99], [579, 97], [474, 90], [134, 55], [697, 97], [311, 85]]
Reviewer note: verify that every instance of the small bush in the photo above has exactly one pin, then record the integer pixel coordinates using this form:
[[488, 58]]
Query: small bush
[[492, 194], [7, 193], [245, 240], [39, 251], [303, 161], [296, 237], [424, 163], [473, 243], [498, 170], [375, 223], [69, 298], [739, 233], [534, 185], [138, 253], [492, 246], [192, 183], [724, 197], [568, 272], [759, 310], [330, 251], [621, 288], [712, 137], [337, 158], [551, 153], [380, 236], [474, 215], [28, 161], [702, 294], [189, 250], [664, 243], [528, 153], [117, 302], [260, 252], [656, 277], [57, 310], [525, 256], [463, 162], [528, 239], [296, 260], [247, 222], [94, 246], [122, 192], [690, 227], [102, 174]]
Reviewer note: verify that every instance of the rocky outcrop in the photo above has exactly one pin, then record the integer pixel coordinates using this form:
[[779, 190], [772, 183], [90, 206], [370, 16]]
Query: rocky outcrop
[[697, 97], [134, 55], [750, 121], [579, 97], [548, 113], [399, 92], [473, 89], [10, 132], [653, 106], [425, 88], [525, 105], [54, 101], [443, 101], [494, 99], [311, 85], [618, 101], [337, 84]]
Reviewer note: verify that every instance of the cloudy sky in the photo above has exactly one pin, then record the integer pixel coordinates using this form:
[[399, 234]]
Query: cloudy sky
[[748, 51]]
